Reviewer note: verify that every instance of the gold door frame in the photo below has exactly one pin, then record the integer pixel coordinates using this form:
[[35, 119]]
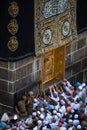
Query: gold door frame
[[53, 65]]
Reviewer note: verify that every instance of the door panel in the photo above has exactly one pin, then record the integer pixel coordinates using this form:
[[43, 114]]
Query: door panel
[[53, 65]]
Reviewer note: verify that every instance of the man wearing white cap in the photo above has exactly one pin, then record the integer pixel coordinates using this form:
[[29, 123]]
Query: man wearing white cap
[[76, 121], [79, 127], [42, 110], [77, 104], [34, 115], [54, 123], [35, 104], [39, 122], [48, 118], [63, 108], [70, 125], [67, 82], [41, 117], [54, 94], [38, 114], [68, 88]]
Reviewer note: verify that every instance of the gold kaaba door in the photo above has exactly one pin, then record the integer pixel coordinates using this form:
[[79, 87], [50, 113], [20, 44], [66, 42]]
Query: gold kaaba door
[[47, 67], [53, 65]]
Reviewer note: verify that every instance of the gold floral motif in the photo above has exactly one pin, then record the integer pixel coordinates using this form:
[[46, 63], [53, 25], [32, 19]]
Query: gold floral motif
[[13, 9], [13, 26], [13, 44]]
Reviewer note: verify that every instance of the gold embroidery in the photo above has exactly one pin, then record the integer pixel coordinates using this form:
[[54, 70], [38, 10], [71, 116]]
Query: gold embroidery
[[13, 44], [13, 9], [13, 26]]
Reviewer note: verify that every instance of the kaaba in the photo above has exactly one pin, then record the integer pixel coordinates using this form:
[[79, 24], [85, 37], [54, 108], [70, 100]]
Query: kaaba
[[33, 35], [16, 29]]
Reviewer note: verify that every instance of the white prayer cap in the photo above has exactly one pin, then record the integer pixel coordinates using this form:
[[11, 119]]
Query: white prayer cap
[[54, 112], [39, 122], [80, 87], [83, 84], [76, 116], [41, 109], [65, 113], [70, 120], [15, 117], [42, 116], [56, 117], [60, 110], [38, 112], [59, 115], [79, 127], [34, 114], [72, 111]]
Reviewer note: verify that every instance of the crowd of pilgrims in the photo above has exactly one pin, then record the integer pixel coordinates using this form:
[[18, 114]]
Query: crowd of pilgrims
[[60, 107]]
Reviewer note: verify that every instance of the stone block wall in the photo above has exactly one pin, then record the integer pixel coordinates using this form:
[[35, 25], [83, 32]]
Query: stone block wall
[[76, 59], [17, 78]]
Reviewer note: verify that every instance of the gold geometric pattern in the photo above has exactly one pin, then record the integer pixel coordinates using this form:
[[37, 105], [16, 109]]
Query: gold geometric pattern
[[13, 26], [13, 44], [13, 9]]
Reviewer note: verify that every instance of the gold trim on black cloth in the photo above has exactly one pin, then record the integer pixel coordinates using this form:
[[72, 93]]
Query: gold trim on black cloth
[[13, 9], [13, 26], [13, 44]]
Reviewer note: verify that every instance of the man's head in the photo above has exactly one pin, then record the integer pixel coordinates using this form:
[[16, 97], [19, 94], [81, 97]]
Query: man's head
[[24, 98], [30, 93]]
